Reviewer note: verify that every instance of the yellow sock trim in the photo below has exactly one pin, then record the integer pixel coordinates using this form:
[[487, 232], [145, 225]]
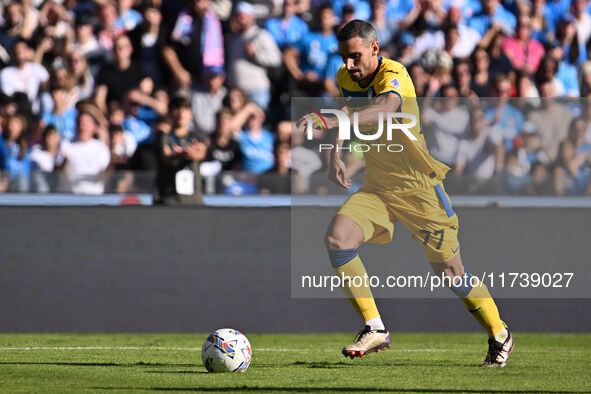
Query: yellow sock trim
[[481, 305], [360, 297]]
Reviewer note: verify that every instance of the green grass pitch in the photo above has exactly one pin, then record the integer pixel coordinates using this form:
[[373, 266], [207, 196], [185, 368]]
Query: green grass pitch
[[437, 363]]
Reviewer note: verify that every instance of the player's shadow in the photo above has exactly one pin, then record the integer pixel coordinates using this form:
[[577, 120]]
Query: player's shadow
[[99, 364], [64, 364], [320, 364], [325, 390], [178, 372]]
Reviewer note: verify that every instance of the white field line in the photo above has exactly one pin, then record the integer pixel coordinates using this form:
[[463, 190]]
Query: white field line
[[195, 349], [191, 349]]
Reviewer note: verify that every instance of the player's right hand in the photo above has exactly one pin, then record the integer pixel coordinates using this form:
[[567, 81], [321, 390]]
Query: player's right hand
[[337, 172], [302, 123]]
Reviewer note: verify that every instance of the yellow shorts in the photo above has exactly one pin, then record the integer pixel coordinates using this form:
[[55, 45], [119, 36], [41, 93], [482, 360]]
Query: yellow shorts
[[429, 217]]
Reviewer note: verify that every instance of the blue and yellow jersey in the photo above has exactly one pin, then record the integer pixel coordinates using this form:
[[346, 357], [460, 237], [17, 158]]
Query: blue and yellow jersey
[[412, 170]]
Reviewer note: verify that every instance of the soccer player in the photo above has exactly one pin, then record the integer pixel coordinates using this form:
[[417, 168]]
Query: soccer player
[[404, 186]]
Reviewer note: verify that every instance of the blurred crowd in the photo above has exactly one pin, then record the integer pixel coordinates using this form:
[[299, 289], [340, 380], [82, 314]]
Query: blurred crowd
[[198, 92]]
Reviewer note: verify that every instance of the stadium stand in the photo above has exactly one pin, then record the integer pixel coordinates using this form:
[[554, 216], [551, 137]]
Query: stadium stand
[[122, 62]]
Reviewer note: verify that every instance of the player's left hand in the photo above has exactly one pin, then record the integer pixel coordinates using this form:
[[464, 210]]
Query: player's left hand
[[337, 172]]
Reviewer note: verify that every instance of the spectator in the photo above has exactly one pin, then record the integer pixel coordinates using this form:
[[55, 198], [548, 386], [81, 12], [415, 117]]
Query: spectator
[[115, 80], [572, 173], [528, 148], [347, 15], [15, 156], [585, 79], [82, 77], [481, 78], [46, 158], [499, 62], [385, 28], [278, 179], [257, 145], [551, 119], [566, 75], [128, 18], [18, 25], [582, 20], [539, 24], [524, 52], [586, 115], [153, 102], [361, 8], [547, 73], [179, 154], [468, 37], [304, 161], [24, 75], [493, 16], [540, 183], [64, 114], [56, 32], [63, 78], [86, 42], [108, 30], [145, 157], [283, 131], [402, 12], [146, 41], [207, 99], [518, 162], [250, 50], [241, 108], [481, 155], [116, 113], [528, 96], [427, 40], [288, 29], [445, 123], [431, 15], [566, 34], [504, 117], [195, 42], [263, 9], [439, 65], [222, 147], [122, 145], [419, 78], [307, 62], [462, 75], [554, 11], [87, 157], [139, 130]]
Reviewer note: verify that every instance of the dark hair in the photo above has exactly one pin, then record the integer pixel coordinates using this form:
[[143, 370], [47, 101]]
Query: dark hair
[[540, 78], [115, 128], [162, 119], [46, 132], [18, 42], [178, 102], [358, 28], [21, 139]]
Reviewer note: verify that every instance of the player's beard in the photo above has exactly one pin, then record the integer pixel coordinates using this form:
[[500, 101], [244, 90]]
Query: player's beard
[[358, 77]]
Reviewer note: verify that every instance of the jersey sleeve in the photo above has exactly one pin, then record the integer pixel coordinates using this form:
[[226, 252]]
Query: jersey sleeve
[[394, 80]]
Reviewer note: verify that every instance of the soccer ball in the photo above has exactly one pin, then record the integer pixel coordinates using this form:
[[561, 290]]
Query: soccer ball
[[226, 350]]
